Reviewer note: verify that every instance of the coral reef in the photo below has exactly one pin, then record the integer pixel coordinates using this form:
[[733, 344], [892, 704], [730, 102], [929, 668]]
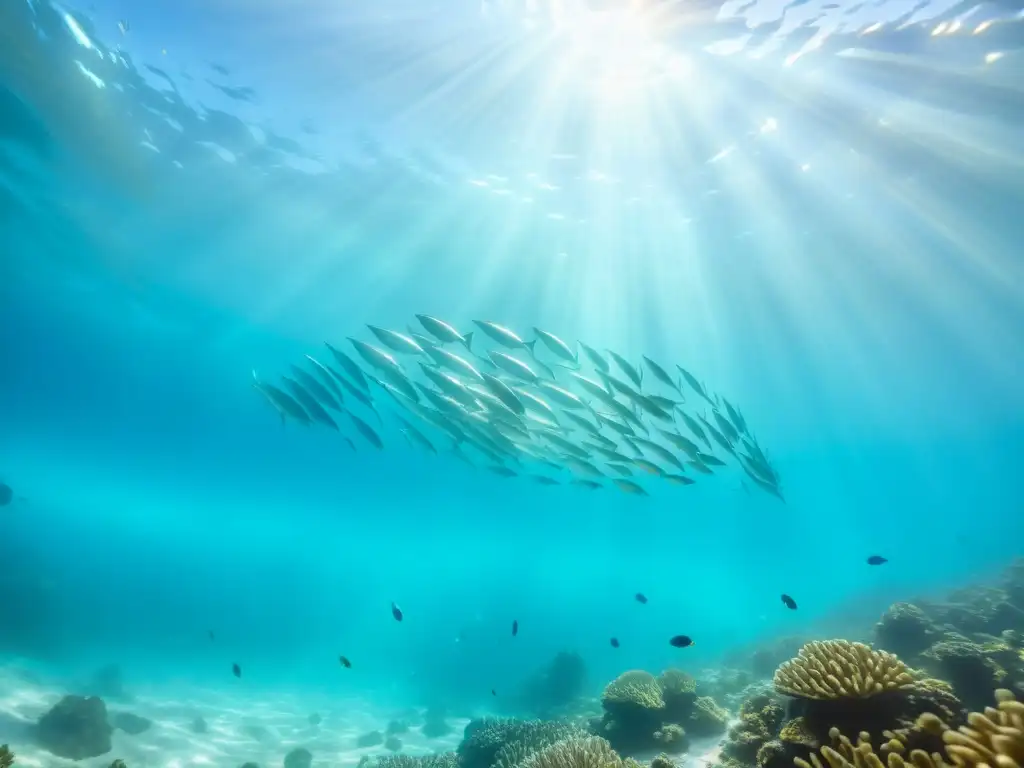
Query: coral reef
[[116, 764], [672, 738], [443, 760], [507, 742], [837, 669], [905, 630], [588, 752], [75, 728], [298, 758], [6, 757], [967, 666], [662, 761], [393, 744], [761, 717], [992, 739], [706, 718]]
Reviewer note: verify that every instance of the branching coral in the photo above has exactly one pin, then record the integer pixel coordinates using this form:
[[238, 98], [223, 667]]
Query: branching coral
[[6, 757], [839, 669], [591, 752], [991, 739], [635, 688]]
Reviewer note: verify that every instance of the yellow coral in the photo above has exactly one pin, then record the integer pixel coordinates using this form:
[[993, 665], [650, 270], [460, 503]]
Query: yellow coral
[[637, 688], [991, 739], [592, 752], [839, 669]]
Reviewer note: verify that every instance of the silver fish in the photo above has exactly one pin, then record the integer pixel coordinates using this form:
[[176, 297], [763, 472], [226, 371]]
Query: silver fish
[[661, 452], [627, 368], [628, 486], [583, 467], [401, 382], [596, 358], [352, 370], [504, 336], [583, 423], [694, 427], [366, 431], [327, 377], [449, 385], [312, 385], [535, 403], [661, 374], [563, 397], [556, 345], [694, 384], [375, 356], [590, 485], [726, 427], [517, 368], [416, 437], [285, 404], [397, 342], [309, 403], [442, 331], [593, 388], [453, 362], [501, 471]]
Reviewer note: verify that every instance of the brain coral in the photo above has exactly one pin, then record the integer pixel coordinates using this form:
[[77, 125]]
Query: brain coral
[[839, 669], [991, 739]]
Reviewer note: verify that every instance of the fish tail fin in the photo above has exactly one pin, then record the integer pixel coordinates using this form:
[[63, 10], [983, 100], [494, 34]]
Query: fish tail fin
[[530, 345], [467, 339]]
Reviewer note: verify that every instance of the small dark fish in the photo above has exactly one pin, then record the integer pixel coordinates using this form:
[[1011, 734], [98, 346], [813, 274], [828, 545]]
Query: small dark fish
[[493, 692], [396, 612], [680, 641], [345, 662], [6, 494], [210, 633], [641, 598], [236, 670], [515, 627], [615, 642], [877, 560], [789, 602]]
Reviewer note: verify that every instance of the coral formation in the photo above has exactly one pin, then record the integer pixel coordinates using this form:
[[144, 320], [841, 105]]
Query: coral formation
[[905, 630], [435, 725], [633, 690], [116, 764], [672, 738], [991, 739], [393, 744], [968, 667], [588, 752], [75, 728], [6, 757], [839, 669], [298, 758], [662, 761], [706, 718], [506, 742], [761, 717]]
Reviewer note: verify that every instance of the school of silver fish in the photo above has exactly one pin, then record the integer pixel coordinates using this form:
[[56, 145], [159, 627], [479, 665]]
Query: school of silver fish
[[537, 409]]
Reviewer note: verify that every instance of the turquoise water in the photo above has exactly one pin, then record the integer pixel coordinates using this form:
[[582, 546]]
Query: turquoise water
[[820, 219]]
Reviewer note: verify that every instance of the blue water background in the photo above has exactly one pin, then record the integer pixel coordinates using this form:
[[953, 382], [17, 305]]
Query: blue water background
[[865, 311]]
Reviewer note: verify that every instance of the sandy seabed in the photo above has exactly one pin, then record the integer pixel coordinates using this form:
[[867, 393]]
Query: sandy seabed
[[238, 729]]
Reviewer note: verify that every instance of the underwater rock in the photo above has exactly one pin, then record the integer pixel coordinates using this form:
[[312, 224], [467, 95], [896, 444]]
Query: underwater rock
[[371, 739], [298, 758], [108, 683], [555, 687], [315, 719], [396, 727], [131, 724], [75, 728], [199, 725], [435, 726], [905, 630], [393, 744], [119, 763]]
